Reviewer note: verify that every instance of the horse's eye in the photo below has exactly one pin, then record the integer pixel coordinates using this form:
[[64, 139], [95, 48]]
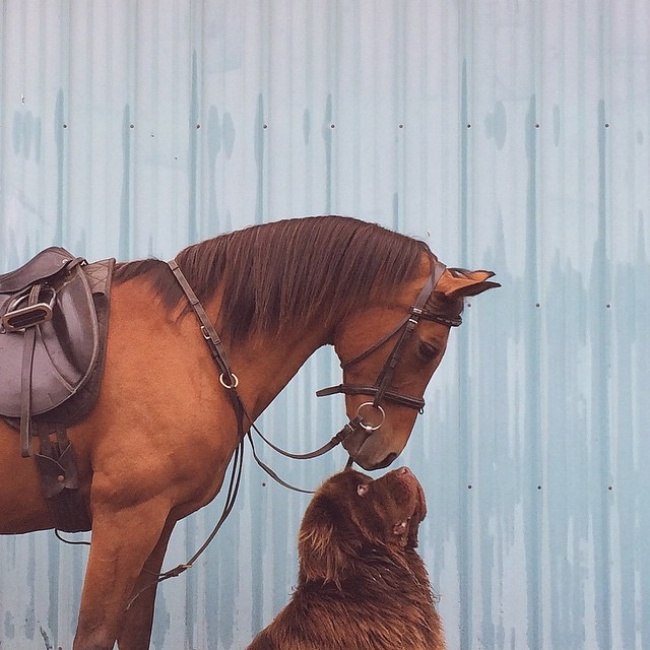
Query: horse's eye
[[428, 351], [362, 488]]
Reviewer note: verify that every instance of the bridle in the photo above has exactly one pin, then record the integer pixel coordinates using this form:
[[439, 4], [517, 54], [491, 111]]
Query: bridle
[[381, 388]]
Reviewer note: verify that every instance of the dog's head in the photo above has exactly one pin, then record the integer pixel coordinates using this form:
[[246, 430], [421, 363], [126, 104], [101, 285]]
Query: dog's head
[[352, 516]]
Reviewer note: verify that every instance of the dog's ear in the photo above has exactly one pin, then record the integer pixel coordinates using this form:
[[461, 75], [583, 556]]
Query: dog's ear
[[321, 545], [412, 538]]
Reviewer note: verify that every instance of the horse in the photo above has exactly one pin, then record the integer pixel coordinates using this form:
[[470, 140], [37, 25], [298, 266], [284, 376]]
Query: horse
[[197, 348]]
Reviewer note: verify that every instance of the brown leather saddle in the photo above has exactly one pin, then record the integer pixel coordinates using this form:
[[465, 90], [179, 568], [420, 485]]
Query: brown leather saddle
[[53, 324]]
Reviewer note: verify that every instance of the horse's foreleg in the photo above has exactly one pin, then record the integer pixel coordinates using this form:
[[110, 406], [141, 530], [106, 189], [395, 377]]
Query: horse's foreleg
[[136, 631], [122, 542]]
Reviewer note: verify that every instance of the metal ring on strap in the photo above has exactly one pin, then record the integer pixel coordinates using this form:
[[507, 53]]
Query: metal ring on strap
[[370, 427], [234, 384]]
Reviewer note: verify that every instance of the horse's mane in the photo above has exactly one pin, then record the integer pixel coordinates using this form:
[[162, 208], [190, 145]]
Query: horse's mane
[[317, 269]]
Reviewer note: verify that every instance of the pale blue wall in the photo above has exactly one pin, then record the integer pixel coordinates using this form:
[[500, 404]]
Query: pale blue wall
[[512, 135]]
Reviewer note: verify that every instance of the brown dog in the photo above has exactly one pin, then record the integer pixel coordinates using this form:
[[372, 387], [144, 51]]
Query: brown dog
[[361, 585]]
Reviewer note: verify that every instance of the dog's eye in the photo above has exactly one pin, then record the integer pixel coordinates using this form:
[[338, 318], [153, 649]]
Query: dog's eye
[[400, 527], [362, 489]]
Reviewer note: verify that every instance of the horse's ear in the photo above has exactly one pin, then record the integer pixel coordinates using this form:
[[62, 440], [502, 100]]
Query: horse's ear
[[319, 547], [458, 283]]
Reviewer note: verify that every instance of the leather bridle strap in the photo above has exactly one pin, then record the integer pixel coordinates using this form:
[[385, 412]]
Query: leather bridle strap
[[377, 345], [337, 439], [381, 389], [349, 428], [227, 378], [384, 380], [389, 395]]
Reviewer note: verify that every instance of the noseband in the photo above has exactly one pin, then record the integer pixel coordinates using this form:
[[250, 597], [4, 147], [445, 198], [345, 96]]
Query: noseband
[[381, 388]]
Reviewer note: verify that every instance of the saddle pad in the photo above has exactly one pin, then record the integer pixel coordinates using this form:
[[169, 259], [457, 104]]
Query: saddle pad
[[65, 351]]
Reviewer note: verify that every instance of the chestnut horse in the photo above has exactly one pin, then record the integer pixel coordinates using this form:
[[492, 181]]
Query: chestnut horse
[[156, 446]]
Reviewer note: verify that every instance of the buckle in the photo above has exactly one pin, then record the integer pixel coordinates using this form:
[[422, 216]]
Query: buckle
[[18, 318]]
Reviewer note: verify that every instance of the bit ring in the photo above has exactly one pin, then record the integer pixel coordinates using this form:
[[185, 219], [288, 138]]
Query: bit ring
[[370, 427]]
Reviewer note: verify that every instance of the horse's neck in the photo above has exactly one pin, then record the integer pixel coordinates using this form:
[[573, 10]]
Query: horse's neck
[[265, 365]]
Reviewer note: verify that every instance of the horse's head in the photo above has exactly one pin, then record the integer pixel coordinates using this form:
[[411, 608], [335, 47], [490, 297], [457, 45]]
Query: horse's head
[[388, 355]]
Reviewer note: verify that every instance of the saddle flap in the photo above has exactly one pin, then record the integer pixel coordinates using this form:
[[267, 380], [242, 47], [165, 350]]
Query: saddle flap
[[66, 345]]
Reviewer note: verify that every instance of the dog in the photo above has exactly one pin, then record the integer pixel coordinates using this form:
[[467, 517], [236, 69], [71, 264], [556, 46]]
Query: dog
[[361, 583]]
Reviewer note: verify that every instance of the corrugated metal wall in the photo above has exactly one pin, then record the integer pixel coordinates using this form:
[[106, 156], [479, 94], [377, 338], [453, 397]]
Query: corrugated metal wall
[[512, 135]]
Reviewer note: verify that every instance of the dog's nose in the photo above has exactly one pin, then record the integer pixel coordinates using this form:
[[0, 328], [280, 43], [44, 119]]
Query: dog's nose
[[404, 470]]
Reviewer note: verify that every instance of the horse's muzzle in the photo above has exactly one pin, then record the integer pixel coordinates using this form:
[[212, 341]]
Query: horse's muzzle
[[370, 449]]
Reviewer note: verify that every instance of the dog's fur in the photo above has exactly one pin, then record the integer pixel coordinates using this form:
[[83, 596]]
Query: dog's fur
[[361, 584]]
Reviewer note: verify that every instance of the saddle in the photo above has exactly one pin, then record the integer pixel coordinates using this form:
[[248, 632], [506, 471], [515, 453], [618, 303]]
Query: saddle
[[53, 325]]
